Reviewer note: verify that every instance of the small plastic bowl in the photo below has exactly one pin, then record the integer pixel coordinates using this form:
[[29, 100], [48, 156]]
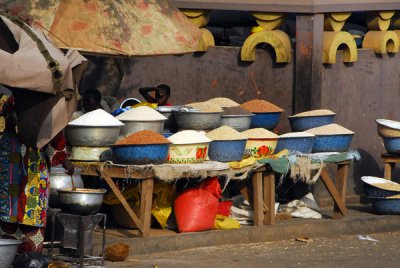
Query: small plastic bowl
[[332, 143], [302, 123], [265, 120], [227, 151]]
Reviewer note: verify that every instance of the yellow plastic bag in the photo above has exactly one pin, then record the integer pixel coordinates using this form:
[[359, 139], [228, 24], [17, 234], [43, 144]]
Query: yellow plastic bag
[[225, 223], [151, 105]]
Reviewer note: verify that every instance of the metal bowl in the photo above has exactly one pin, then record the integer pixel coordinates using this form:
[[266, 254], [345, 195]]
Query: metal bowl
[[332, 143], [81, 201], [392, 145], [60, 180], [238, 122], [83, 153], [131, 127], [140, 154], [197, 120], [302, 145], [96, 136], [8, 249], [373, 191], [167, 111], [386, 205], [265, 120], [302, 123], [388, 128], [226, 151]]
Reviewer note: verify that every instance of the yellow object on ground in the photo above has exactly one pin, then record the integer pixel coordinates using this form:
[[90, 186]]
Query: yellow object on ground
[[223, 222], [163, 196]]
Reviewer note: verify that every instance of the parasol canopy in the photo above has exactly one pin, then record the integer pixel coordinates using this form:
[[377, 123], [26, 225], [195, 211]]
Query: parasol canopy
[[123, 27]]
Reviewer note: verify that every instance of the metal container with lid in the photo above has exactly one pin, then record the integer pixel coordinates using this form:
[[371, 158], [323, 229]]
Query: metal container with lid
[[60, 180]]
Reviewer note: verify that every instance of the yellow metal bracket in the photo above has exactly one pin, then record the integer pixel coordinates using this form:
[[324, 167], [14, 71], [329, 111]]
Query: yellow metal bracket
[[335, 21], [332, 41], [200, 19], [381, 41], [278, 39]]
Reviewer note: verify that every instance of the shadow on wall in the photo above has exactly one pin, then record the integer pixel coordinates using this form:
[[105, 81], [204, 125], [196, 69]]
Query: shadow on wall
[[367, 166]]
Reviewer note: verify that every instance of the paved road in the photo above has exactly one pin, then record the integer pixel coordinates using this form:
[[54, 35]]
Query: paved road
[[341, 251]]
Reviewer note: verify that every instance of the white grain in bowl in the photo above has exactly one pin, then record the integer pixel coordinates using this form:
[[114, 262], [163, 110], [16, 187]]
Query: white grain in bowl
[[331, 129]]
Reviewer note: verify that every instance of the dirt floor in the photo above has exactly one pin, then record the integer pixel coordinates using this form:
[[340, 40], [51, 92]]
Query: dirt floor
[[341, 251]]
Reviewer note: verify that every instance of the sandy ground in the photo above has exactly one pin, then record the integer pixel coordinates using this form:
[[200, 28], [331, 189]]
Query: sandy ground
[[341, 251]]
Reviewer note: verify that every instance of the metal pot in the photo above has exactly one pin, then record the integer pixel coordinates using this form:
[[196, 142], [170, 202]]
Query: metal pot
[[238, 122], [135, 126], [167, 111], [197, 120], [60, 180], [81, 201], [8, 249], [96, 136]]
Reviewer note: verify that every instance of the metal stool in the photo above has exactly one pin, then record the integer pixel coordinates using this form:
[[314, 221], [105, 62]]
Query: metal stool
[[77, 233]]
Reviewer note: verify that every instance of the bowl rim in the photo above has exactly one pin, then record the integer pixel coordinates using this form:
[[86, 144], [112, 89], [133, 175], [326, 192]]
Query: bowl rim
[[262, 139], [383, 122], [195, 112], [69, 190], [136, 145], [348, 134], [229, 140], [10, 242], [237, 115], [256, 113], [307, 116], [85, 126], [145, 121]]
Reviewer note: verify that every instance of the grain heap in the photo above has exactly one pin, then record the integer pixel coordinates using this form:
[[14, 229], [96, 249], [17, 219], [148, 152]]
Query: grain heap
[[142, 113], [331, 129], [188, 137], [297, 135], [259, 133], [235, 111], [96, 118], [142, 138], [206, 107], [260, 106], [225, 133], [224, 102], [319, 112]]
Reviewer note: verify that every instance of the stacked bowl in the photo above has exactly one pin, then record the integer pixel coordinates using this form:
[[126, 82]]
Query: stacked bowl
[[384, 194], [389, 130]]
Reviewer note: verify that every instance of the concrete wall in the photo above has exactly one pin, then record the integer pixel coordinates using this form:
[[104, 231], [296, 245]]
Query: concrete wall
[[359, 92]]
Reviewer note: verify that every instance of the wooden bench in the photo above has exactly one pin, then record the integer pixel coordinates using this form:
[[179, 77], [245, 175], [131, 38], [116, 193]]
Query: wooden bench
[[389, 162]]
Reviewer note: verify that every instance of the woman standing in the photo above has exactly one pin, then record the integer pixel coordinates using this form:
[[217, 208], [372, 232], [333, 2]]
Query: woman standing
[[24, 185]]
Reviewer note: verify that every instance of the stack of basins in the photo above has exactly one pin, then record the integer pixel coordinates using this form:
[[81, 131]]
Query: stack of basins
[[90, 136], [384, 194], [389, 130], [317, 132]]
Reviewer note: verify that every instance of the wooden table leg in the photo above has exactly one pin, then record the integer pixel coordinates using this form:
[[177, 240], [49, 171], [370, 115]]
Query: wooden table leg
[[341, 184], [122, 199], [258, 199], [269, 197], [326, 179], [388, 170], [146, 201]]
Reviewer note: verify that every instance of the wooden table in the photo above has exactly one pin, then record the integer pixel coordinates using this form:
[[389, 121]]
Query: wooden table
[[263, 186], [337, 190], [389, 161]]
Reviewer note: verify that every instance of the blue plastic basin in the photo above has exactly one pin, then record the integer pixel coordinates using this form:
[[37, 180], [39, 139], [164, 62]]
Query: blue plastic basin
[[265, 120], [386, 205], [140, 154], [303, 123], [332, 143], [392, 145], [302, 145], [226, 151]]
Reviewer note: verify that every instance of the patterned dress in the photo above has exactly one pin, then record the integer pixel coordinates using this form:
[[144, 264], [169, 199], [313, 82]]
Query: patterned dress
[[24, 190]]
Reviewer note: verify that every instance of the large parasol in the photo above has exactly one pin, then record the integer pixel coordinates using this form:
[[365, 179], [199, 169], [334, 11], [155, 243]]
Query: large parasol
[[123, 27]]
